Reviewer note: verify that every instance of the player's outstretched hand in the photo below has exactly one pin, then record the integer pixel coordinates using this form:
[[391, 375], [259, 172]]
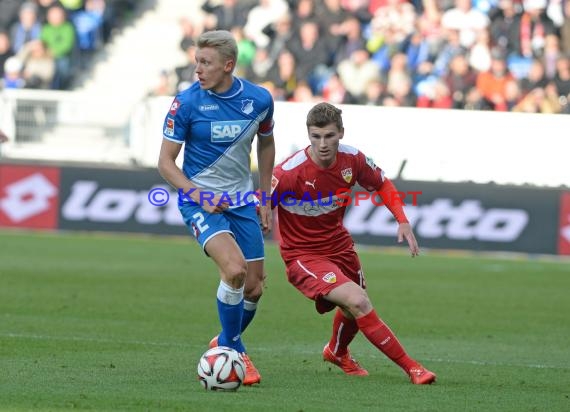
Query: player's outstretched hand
[[405, 232]]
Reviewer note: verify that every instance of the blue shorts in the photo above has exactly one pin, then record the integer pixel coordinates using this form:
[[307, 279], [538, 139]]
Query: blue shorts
[[241, 222]]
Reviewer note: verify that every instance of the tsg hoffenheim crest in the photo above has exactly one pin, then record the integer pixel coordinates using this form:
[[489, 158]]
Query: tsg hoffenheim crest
[[247, 106]]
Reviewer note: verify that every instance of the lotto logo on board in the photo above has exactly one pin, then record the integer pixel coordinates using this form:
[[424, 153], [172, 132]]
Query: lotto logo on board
[[564, 227], [29, 197]]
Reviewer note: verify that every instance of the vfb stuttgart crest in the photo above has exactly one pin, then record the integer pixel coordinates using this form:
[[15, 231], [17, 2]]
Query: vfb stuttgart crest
[[347, 174]]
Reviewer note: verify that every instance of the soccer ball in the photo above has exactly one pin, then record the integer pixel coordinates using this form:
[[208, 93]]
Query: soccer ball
[[221, 368]]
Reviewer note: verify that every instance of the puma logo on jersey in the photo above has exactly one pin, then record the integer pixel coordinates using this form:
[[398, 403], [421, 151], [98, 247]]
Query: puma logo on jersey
[[227, 131], [312, 184]]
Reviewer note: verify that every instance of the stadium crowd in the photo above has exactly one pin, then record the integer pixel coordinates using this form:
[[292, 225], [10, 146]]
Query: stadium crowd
[[502, 55], [44, 43]]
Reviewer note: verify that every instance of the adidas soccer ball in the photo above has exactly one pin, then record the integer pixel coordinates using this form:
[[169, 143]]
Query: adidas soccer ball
[[221, 368]]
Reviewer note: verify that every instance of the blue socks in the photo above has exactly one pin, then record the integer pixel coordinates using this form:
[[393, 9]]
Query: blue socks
[[230, 311], [249, 309]]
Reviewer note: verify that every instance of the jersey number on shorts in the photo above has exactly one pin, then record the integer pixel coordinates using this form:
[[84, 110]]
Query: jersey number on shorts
[[198, 225]]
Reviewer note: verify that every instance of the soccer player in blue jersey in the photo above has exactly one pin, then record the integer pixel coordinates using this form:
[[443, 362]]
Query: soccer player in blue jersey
[[217, 119]]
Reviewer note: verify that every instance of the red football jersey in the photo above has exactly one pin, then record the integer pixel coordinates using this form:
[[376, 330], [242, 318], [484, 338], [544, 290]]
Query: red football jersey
[[309, 209]]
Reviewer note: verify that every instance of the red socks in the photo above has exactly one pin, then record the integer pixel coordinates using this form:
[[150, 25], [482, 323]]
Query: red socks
[[380, 335], [344, 330]]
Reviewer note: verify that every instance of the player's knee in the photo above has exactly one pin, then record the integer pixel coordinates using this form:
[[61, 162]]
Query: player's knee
[[359, 304], [235, 274], [253, 292]]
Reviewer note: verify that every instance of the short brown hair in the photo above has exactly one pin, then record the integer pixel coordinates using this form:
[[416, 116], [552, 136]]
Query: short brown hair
[[324, 114]]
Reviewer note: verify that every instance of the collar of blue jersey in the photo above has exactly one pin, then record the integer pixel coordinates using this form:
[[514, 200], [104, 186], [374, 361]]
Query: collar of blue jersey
[[234, 90]]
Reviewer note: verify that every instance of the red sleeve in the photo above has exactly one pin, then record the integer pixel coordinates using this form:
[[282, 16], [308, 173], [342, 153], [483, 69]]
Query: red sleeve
[[392, 200], [369, 176], [277, 176]]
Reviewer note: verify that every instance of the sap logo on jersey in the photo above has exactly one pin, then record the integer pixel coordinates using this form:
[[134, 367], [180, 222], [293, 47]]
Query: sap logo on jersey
[[228, 131]]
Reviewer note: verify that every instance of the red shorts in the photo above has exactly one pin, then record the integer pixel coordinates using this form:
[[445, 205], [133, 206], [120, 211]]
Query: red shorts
[[315, 276]]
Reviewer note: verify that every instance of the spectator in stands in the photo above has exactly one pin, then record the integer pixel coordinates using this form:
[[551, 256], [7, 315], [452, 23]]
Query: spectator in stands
[[282, 76], [280, 34], [189, 33], [358, 9], [312, 56], [551, 54], [492, 83], [357, 72], [399, 78], [529, 29], [513, 94], [331, 17], [13, 77], [5, 50], [375, 93], [186, 74], [452, 47], [258, 70], [474, 101], [418, 57], [562, 78], [334, 91], [438, 97], [302, 12], [350, 39], [27, 27], [460, 79], [88, 23], [539, 101], [502, 17], [9, 13], [303, 93], [399, 91], [266, 12], [390, 28], [536, 77], [39, 65], [224, 16], [429, 27], [117, 14], [246, 51], [565, 30], [59, 36], [467, 20], [43, 7], [480, 51]]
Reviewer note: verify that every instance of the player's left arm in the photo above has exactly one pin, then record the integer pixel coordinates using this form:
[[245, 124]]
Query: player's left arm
[[394, 203], [372, 178], [265, 162]]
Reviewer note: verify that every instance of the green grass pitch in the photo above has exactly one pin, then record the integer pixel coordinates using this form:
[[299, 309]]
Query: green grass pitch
[[117, 323]]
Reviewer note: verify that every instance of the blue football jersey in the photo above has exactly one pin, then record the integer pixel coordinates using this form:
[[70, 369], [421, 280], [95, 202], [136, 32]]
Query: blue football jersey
[[218, 130]]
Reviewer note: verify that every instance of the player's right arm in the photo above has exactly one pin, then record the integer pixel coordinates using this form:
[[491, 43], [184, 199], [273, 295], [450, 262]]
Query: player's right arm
[[173, 175]]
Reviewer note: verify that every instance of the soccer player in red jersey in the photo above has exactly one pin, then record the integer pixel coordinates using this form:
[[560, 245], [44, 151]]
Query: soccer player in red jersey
[[318, 251]]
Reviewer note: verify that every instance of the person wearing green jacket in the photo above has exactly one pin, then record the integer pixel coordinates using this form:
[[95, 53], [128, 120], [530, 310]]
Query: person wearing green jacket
[[58, 34]]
